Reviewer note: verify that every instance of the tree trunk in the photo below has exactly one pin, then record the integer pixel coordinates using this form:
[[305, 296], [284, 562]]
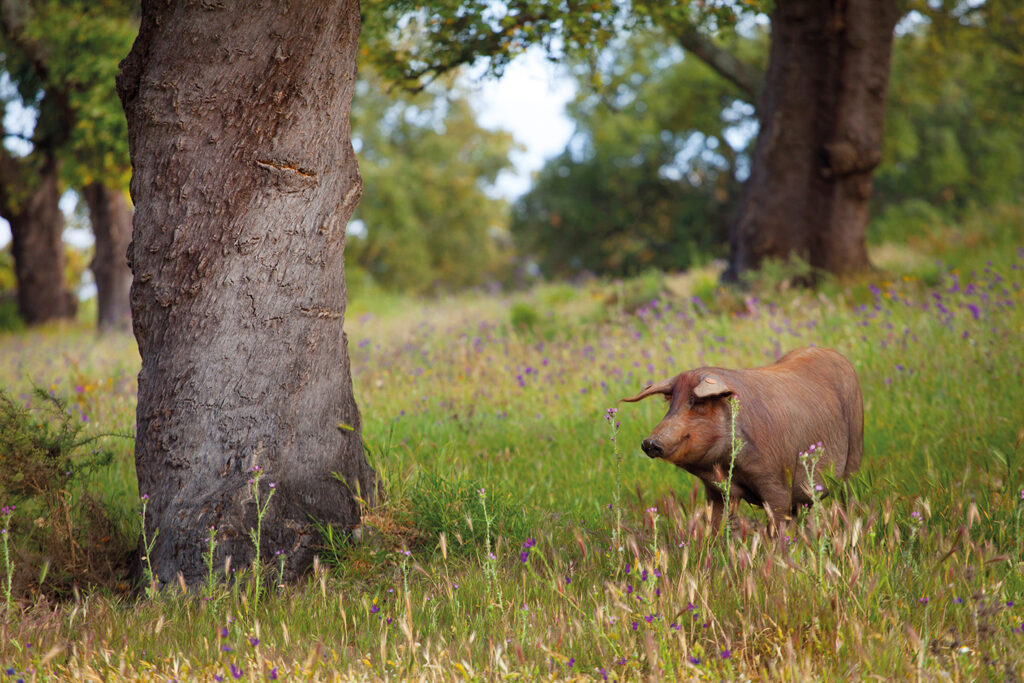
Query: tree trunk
[[37, 228], [820, 136], [244, 180], [111, 220]]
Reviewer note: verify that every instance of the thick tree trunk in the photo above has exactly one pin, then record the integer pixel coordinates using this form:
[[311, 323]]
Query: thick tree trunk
[[37, 227], [111, 219], [244, 180], [820, 136]]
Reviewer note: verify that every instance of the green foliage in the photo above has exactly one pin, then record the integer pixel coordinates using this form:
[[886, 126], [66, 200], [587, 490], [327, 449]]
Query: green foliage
[[954, 134], [426, 164], [523, 316], [450, 504], [648, 180], [413, 42], [42, 470], [63, 57]]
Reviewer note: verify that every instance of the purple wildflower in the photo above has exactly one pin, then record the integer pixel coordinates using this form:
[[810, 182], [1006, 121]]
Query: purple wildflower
[[572, 660], [235, 671], [923, 600], [224, 632], [694, 660], [272, 674], [635, 625], [254, 641], [374, 608], [529, 543], [726, 654], [524, 556]]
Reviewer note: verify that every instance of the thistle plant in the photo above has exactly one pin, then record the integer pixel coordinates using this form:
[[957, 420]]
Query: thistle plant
[[211, 546], [6, 512], [613, 425], [147, 546], [490, 570], [256, 534], [809, 459], [281, 557], [736, 444]]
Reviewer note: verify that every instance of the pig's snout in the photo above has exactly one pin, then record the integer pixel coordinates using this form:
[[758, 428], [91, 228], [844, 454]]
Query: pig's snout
[[653, 448]]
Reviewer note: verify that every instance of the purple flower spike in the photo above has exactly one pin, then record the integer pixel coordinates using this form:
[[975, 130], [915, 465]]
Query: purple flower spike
[[529, 543], [374, 609], [224, 632], [524, 556], [272, 675], [694, 660], [726, 654], [254, 641], [236, 672]]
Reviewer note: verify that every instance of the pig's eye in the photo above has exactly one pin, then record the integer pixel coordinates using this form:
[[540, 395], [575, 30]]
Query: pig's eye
[[699, 407]]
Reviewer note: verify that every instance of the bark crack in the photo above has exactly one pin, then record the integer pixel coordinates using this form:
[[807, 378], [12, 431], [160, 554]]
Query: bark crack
[[288, 175], [317, 312]]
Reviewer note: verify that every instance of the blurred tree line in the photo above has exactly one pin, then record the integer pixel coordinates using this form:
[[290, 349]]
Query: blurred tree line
[[662, 143], [650, 178]]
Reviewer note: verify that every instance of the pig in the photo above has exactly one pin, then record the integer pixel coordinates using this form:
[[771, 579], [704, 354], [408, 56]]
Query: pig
[[809, 396]]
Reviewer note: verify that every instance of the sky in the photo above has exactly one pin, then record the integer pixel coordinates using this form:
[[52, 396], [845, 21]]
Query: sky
[[529, 101]]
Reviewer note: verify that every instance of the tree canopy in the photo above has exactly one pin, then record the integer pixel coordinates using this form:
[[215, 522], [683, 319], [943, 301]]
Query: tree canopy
[[648, 179], [62, 57], [428, 220]]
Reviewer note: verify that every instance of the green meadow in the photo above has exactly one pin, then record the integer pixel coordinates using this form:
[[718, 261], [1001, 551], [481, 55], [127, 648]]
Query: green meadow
[[523, 535]]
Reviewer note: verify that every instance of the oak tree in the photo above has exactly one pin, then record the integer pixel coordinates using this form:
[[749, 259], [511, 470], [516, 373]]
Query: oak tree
[[244, 180], [62, 57]]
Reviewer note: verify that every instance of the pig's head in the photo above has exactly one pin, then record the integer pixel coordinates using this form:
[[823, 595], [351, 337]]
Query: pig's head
[[695, 432]]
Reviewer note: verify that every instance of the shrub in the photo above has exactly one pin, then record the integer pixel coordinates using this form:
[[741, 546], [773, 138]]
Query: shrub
[[62, 531]]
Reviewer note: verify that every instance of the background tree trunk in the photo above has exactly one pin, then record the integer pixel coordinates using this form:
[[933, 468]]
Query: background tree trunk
[[37, 228], [820, 136], [244, 180], [111, 219]]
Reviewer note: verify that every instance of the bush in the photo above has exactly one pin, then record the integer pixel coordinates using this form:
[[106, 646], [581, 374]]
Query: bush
[[912, 219], [62, 531], [440, 504]]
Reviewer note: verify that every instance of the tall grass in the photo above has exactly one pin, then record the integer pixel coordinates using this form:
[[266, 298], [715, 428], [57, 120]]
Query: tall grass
[[915, 571]]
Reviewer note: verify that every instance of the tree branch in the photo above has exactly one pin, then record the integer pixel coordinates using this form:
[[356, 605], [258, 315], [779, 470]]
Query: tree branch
[[744, 76]]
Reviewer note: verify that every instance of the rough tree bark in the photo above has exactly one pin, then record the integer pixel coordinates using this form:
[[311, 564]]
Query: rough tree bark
[[820, 137], [37, 226], [244, 180], [111, 219]]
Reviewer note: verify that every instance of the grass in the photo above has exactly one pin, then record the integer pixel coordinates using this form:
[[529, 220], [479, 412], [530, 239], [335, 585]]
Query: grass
[[915, 572]]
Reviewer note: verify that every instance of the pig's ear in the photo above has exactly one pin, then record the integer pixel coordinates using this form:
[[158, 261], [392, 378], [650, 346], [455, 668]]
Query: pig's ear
[[712, 386], [663, 387]]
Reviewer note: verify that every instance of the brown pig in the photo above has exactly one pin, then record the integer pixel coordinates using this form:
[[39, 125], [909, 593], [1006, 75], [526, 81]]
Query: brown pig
[[808, 396]]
